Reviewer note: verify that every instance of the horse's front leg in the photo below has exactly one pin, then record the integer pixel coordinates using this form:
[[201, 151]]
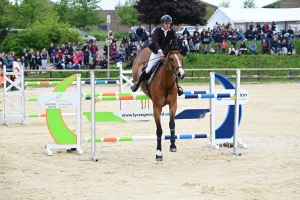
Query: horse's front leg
[[172, 108], [157, 113]]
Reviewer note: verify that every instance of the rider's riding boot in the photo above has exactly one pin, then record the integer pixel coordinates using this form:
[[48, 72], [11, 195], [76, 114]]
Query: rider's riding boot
[[180, 90], [136, 86]]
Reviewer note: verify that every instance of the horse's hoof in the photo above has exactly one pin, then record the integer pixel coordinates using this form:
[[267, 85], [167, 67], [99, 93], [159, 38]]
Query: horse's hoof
[[173, 149], [159, 158]]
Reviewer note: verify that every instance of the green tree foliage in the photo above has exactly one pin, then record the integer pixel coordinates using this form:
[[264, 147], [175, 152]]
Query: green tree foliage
[[62, 10], [183, 12], [277, 4], [209, 12], [128, 14], [249, 4], [39, 36], [84, 13], [224, 4]]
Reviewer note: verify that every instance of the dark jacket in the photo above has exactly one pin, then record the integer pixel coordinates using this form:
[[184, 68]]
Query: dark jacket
[[162, 42], [139, 32], [218, 38], [86, 55]]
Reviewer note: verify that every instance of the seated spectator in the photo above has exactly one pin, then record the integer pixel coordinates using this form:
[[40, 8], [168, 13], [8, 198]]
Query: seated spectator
[[283, 32], [237, 52], [274, 46], [122, 52], [224, 45], [284, 47], [289, 48], [124, 40], [98, 62], [241, 35], [79, 55], [266, 39], [196, 40], [114, 54], [104, 63], [291, 32], [56, 62], [63, 62], [249, 34], [243, 48], [212, 51], [279, 46], [256, 35], [192, 47], [131, 57], [204, 50], [265, 47], [270, 33], [253, 47], [231, 50]]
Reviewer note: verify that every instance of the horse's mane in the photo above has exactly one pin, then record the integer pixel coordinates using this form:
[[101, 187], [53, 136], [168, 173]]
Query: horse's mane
[[141, 47]]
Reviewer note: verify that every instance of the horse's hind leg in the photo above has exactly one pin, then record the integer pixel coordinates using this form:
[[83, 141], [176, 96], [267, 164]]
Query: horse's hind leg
[[157, 113], [173, 108]]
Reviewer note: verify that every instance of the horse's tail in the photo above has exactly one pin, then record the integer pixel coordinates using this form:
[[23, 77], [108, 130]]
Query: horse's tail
[[141, 47]]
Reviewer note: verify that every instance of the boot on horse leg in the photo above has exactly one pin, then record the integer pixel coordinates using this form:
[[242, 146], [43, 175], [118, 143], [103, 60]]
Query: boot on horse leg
[[159, 156], [136, 86], [173, 147]]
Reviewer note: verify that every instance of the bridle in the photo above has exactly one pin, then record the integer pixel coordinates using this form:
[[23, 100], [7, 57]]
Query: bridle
[[174, 69]]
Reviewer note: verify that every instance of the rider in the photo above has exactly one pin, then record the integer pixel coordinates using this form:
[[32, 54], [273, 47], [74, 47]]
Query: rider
[[162, 37]]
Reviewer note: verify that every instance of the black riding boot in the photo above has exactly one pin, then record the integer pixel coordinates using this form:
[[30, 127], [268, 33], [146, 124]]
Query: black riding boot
[[136, 86], [180, 90]]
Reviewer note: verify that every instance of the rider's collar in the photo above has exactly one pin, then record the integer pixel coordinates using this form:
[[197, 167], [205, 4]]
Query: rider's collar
[[162, 28]]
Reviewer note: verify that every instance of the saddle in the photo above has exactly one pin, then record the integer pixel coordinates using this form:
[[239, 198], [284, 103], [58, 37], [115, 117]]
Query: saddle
[[148, 79]]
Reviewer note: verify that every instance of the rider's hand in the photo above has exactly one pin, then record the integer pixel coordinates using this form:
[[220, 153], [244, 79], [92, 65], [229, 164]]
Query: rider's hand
[[162, 54]]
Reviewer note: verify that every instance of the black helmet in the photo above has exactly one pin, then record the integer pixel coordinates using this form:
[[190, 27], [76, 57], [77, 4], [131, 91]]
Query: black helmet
[[166, 19]]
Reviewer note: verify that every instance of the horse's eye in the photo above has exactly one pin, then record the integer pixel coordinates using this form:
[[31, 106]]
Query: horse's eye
[[171, 59]]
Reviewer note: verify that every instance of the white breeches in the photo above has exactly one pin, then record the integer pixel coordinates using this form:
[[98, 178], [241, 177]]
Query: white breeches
[[154, 58]]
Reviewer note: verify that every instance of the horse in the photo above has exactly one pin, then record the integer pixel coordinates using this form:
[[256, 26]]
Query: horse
[[162, 90]]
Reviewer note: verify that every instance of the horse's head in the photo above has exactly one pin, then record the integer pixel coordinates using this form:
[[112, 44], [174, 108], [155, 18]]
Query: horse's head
[[176, 62]]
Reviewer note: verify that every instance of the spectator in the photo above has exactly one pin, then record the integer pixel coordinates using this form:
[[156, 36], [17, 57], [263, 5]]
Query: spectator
[[93, 50], [185, 45], [243, 48], [24, 53], [265, 28], [208, 39], [86, 46], [216, 26], [241, 35], [63, 62], [13, 54], [115, 55], [231, 50], [50, 50], [291, 32], [133, 37], [24, 62], [196, 31], [256, 35], [10, 60], [75, 62], [248, 34], [74, 47], [69, 47], [187, 33], [223, 46], [273, 26], [237, 52], [253, 47], [122, 52], [112, 37], [131, 57], [289, 47], [144, 36], [284, 47], [218, 40], [233, 40], [79, 46], [56, 62], [270, 33], [196, 40], [258, 26], [204, 50], [251, 26], [192, 47], [179, 40], [266, 39], [274, 46], [212, 51], [31, 58], [124, 40], [86, 58], [139, 32], [104, 63], [59, 53], [283, 32], [38, 60], [44, 57], [265, 46], [98, 62], [79, 56]]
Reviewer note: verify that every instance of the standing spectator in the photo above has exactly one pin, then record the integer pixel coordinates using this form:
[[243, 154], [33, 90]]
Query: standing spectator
[[93, 49], [44, 56], [53, 55], [69, 48], [50, 49], [86, 46], [223, 46], [187, 33], [86, 58], [273, 26], [243, 48], [218, 40], [252, 47], [13, 54], [79, 55], [10, 60], [196, 31], [31, 58], [38, 60], [24, 53], [133, 37], [139, 32], [192, 47], [265, 28], [290, 48], [196, 40], [74, 47], [79, 46], [258, 26], [251, 26], [144, 36], [24, 62], [265, 47], [208, 40], [185, 45]]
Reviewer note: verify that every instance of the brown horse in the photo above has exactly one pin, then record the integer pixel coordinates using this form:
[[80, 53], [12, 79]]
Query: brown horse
[[162, 90]]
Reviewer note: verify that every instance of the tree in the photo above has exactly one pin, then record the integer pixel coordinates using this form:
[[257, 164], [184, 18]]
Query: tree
[[62, 10], [128, 14], [224, 4], [249, 4], [209, 12], [183, 12], [277, 4], [85, 13]]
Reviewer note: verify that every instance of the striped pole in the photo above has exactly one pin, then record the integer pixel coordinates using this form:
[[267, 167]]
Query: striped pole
[[87, 82], [44, 114], [187, 96], [88, 95], [140, 138]]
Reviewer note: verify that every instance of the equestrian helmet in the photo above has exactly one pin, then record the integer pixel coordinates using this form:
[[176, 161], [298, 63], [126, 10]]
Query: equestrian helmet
[[166, 19]]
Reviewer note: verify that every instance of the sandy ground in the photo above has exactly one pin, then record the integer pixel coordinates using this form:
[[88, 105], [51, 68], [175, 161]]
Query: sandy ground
[[271, 170]]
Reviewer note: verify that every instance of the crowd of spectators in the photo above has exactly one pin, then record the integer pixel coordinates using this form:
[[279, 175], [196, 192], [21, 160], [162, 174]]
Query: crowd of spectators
[[226, 39]]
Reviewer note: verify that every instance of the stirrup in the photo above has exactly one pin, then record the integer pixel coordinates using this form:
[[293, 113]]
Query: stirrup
[[180, 91], [135, 87]]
